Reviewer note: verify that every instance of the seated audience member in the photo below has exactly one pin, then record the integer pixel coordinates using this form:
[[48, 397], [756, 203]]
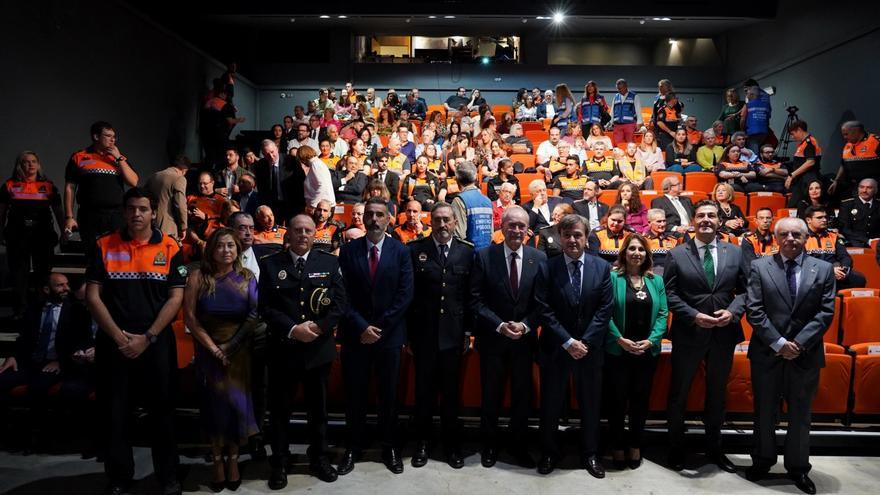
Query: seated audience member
[[378, 189], [249, 158], [606, 241], [547, 238], [679, 209], [349, 183], [528, 111], [357, 148], [278, 137], [505, 176], [456, 101], [412, 227], [709, 154], [421, 185], [681, 155], [344, 106], [830, 246], [329, 119], [601, 168], [632, 347], [722, 137], [859, 217], [649, 154], [266, 231], [518, 141], [416, 108], [547, 108], [736, 171], [548, 150], [41, 359], [590, 207], [505, 199], [356, 229], [427, 138], [771, 174], [733, 220], [387, 177], [204, 210], [541, 205], [337, 144], [760, 242], [636, 212], [570, 184], [302, 138], [630, 168], [660, 241], [739, 139], [352, 129], [247, 197], [694, 136], [328, 232], [372, 100], [815, 195], [398, 162], [598, 136], [385, 121], [499, 151], [668, 120], [326, 154]]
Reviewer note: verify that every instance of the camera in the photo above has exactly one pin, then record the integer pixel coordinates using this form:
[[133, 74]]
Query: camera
[[792, 110]]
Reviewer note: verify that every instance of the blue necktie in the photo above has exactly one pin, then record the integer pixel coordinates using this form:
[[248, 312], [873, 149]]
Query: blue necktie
[[790, 265], [46, 329], [576, 278]]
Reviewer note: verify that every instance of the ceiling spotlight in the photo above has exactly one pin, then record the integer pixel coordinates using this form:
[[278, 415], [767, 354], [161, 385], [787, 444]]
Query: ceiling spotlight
[[524, 20], [449, 17], [292, 19], [558, 17], [432, 17], [673, 41], [343, 17], [642, 21], [408, 19], [485, 60], [662, 19], [324, 16]]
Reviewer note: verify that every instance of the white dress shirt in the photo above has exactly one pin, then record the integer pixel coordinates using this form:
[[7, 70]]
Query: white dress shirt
[[249, 261], [593, 208], [319, 184], [682, 213], [546, 151], [378, 249], [799, 262], [568, 262], [296, 143], [713, 248], [519, 266], [544, 211]]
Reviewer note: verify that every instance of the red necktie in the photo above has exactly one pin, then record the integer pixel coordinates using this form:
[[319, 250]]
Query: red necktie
[[514, 277], [374, 262]]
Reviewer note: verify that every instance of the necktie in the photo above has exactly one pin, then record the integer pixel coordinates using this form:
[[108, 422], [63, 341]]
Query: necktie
[[300, 266], [514, 276], [274, 173], [709, 265], [576, 278], [374, 262], [443, 252], [790, 265], [46, 329]]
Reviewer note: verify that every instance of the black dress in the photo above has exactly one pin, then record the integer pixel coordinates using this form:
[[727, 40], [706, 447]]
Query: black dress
[[734, 213]]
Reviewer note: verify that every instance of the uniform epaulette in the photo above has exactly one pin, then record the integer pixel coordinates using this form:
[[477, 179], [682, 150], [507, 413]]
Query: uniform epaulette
[[337, 223], [323, 253], [269, 255], [848, 199], [463, 241], [546, 227]]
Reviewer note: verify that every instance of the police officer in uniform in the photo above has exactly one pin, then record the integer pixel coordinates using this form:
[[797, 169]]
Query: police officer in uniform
[[830, 246], [301, 300], [859, 159], [760, 242], [859, 217], [439, 323]]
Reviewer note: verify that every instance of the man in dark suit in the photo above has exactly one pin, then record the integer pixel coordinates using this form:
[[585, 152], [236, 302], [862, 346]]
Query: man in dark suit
[[790, 306], [541, 206], [387, 177], [575, 297], [280, 181], [439, 322], [378, 276], [859, 217], [679, 210], [502, 295], [247, 196], [705, 286], [302, 299], [590, 207]]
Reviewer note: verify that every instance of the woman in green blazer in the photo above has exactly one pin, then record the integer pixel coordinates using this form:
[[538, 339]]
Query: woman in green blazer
[[633, 344]]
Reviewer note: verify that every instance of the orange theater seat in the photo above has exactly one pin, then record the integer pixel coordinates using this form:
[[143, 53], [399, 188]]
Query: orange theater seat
[[739, 385], [471, 393], [866, 378], [537, 137], [784, 212], [834, 378], [700, 181], [437, 108], [695, 196], [747, 328], [742, 200], [647, 195], [865, 262], [185, 346], [342, 213], [532, 126], [764, 199], [608, 196], [660, 387], [501, 108], [524, 180], [858, 319], [659, 175], [526, 159]]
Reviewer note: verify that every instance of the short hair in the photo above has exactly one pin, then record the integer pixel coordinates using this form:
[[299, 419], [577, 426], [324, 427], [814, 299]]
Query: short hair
[[792, 222], [508, 186], [533, 185], [267, 142], [509, 211], [438, 205], [656, 212], [868, 179], [616, 209], [466, 172], [812, 210], [737, 135], [376, 201], [667, 183], [797, 125], [620, 81], [551, 128], [249, 175], [183, 162], [565, 208], [764, 208], [731, 192], [708, 133], [96, 128], [138, 193], [305, 153], [571, 221], [853, 124], [705, 202], [235, 217], [302, 124], [671, 94]]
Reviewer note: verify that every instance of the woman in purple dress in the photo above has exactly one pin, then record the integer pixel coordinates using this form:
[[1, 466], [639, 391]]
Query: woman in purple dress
[[221, 311]]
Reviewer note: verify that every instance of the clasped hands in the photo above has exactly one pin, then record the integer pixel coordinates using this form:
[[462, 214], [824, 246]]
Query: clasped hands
[[306, 331], [790, 350], [513, 330], [371, 335], [134, 344], [722, 318], [636, 348]]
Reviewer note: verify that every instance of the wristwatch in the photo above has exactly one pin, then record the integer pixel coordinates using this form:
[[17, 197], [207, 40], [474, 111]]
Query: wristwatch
[[151, 338]]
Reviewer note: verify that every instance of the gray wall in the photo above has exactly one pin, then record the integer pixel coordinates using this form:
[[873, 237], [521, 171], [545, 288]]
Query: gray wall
[[71, 63], [821, 58]]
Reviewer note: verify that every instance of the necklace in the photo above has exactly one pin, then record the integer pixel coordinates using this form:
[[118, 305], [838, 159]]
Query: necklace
[[641, 295]]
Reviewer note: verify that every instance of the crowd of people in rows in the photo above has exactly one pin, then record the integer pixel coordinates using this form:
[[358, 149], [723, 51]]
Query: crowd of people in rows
[[256, 265]]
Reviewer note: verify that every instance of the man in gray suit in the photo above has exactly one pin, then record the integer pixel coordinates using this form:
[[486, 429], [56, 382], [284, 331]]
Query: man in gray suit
[[705, 287], [790, 306]]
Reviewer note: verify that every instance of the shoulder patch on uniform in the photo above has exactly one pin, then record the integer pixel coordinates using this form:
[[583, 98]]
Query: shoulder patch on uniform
[[464, 241], [182, 270], [847, 200]]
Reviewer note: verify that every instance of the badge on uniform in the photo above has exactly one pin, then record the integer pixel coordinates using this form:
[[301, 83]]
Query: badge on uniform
[[159, 259], [854, 212], [549, 240], [182, 270], [423, 257], [282, 275], [319, 275], [828, 245], [317, 300]]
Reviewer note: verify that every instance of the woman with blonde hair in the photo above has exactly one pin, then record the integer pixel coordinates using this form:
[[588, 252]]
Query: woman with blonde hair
[[650, 154], [565, 108]]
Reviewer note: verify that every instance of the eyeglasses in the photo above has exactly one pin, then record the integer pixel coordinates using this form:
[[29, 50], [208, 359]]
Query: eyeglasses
[[794, 235]]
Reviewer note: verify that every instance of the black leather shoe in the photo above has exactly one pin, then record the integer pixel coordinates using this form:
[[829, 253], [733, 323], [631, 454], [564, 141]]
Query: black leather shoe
[[594, 467], [320, 468], [756, 473], [278, 478], [488, 457], [420, 456], [455, 459], [392, 460], [346, 465], [804, 483], [634, 463], [723, 463], [546, 465], [523, 459], [675, 461]]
